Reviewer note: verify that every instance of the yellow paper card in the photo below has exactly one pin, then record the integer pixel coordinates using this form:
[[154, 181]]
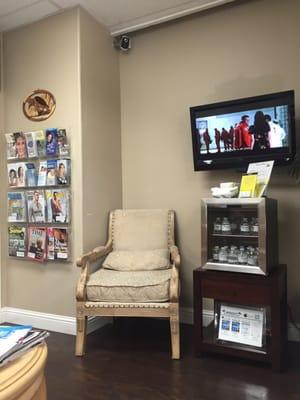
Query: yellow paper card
[[248, 185]]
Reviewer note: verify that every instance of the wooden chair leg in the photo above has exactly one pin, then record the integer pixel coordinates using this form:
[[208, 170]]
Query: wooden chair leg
[[81, 323], [175, 331]]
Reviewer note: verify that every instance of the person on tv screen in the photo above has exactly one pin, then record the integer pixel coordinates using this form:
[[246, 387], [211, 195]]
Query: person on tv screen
[[242, 137], [224, 138], [231, 137], [260, 131], [277, 133], [218, 139], [207, 139]]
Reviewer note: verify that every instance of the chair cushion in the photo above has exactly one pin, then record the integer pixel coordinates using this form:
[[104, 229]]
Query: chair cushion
[[141, 260], [140, 229], [128, 286]]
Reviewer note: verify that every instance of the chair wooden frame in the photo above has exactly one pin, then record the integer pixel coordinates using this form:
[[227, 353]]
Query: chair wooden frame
[[85, 308]]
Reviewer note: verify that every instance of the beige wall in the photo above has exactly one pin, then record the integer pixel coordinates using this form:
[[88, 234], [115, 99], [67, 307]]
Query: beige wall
[[228, 53], [44, 55], [101, 130], [71, 55]]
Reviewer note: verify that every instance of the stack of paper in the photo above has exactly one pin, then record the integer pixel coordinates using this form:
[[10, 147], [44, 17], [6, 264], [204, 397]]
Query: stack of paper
[[15, 340]]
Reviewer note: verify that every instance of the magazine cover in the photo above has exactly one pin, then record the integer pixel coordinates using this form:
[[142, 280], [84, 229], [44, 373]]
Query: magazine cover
[[10, 146], [63, 143], [20, 145], [16, 240], [16, 207], [12, 175], [58, 244], [63, 172], [40, 143], [51, 172], [21, 174], [51, 142], [31, 144], [50, 244], [36, 249], [42, 175], [58, 205], [30, 174], [36, 206]]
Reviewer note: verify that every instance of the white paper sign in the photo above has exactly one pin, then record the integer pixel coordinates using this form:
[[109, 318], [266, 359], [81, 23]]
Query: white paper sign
[[241, 325], [263, 170]]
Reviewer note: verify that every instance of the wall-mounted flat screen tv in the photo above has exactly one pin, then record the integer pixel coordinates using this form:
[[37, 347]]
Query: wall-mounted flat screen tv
[[233, 133]]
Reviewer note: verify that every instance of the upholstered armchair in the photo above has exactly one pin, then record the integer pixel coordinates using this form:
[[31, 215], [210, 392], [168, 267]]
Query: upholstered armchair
[[137, 273]]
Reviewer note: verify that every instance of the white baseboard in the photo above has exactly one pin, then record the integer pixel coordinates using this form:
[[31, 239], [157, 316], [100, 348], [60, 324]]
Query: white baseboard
[[51, 322], [67, 325]]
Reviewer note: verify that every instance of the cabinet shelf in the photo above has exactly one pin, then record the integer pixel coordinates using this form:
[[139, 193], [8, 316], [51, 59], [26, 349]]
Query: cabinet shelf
[[235, 235]]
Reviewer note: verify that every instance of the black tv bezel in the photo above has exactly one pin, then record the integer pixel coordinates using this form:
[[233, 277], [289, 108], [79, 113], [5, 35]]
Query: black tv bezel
[[241, 160]]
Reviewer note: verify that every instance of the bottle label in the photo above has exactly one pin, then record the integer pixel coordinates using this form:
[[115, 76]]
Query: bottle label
[[244, 228]]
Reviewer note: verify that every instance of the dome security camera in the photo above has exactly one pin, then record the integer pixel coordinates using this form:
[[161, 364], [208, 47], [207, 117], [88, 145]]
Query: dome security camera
[[122, 42]]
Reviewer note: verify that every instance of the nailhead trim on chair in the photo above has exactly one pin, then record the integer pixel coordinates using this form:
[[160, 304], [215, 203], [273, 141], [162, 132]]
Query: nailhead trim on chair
[[98, 304]]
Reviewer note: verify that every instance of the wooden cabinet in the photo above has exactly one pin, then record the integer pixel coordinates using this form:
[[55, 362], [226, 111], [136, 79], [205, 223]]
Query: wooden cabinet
[[249, 290]]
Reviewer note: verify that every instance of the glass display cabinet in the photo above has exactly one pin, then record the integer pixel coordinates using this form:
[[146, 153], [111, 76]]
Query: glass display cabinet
[[239, 235]]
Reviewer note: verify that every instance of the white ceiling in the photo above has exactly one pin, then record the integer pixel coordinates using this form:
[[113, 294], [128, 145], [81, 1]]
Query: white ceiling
[[119, 16]]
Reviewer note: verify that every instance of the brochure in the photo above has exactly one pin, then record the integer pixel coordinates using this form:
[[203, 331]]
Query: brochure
[[241, 325], [248, 185], [31, 144], [263, 170]]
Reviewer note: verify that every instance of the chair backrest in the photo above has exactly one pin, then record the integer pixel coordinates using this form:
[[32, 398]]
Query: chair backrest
[[141, 229]]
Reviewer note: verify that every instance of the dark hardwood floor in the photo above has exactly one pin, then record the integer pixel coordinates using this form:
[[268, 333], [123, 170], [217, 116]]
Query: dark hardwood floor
[[130, 360]]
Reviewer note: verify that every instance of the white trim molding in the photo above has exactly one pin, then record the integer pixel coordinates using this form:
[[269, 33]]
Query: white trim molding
[[51, 322], [67, 325]]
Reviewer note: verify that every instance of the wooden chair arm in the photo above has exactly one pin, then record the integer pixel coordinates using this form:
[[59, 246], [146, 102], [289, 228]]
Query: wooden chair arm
[[174, 285], [175, 256], [94, 255], [84, 262]]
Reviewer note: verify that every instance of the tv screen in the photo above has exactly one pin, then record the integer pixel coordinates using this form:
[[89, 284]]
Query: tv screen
[[233, 133]]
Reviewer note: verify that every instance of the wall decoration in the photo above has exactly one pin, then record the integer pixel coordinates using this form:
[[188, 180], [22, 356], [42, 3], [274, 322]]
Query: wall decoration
[[39, 105]]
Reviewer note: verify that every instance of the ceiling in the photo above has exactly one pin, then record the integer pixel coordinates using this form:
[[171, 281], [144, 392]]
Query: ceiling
[[119, 16]]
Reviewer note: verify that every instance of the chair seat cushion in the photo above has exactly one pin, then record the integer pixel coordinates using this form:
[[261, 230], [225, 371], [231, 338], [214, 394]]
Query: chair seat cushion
[[129, 286], [140, 260]]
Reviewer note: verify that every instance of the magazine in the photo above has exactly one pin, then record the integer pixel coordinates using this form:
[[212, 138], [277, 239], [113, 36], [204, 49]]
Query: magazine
[[58, 205], [12, 175], [30, 174], [16, 207], [42, 175], [16, 145], [63, 172], [16, 240], [17, 339], [21, 174], [36, 248], [31, 144], [58, 244], [40, 143], [10, 146], [36, 206], [51, 172], [51, 142], [20, 145], [63, 143]]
